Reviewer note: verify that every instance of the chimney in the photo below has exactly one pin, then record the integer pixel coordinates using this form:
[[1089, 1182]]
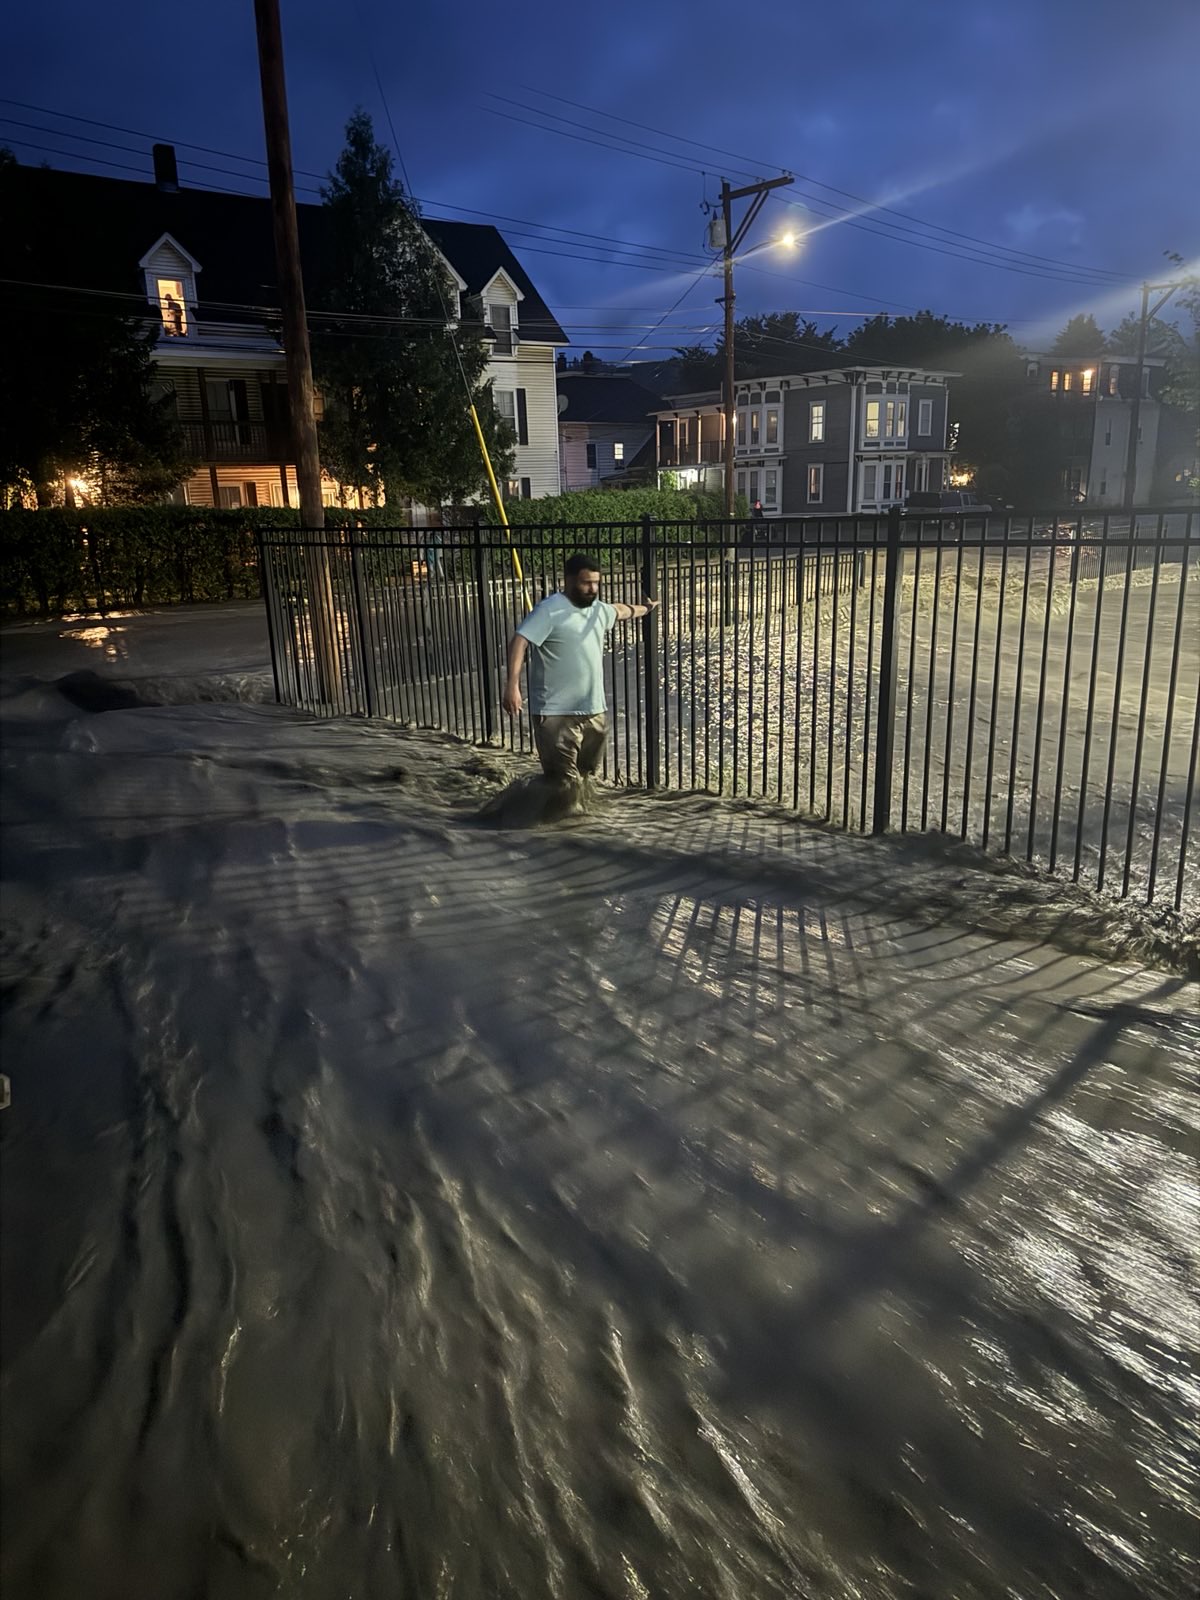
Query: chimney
[[166, 174]]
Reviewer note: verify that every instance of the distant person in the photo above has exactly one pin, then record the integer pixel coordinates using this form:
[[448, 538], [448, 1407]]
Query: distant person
[[433, 555], [566, 677]]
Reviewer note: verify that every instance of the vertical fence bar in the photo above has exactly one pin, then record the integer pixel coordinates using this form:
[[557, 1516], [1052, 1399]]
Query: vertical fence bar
[[1116, 711], [1189, 792], [1169, 722], [1064, 712], [948, 753], [889, 657], [483, 608], [931, 682], [650, 647], [266, 582], [365, 648], [1136, 780], [1041, 703], [1017, 692]]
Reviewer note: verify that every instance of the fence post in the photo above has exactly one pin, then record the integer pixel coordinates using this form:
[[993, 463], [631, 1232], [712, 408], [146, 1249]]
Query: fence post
[[885, 723], [650, 653], [360, 618], [483, 607], [266, 582]]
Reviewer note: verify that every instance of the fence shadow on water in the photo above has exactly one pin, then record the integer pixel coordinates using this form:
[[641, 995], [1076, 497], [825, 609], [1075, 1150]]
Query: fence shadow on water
[[1028, 683]]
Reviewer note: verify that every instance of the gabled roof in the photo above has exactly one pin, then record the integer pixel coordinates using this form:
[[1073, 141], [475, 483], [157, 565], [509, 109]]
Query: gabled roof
[[599, 397], [82, 231]]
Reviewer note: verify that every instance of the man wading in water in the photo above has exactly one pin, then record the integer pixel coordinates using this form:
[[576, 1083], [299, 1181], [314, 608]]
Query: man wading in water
[[566, 676]]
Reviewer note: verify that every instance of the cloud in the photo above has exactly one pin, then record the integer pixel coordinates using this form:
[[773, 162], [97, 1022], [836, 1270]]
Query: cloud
[[1030, 220]]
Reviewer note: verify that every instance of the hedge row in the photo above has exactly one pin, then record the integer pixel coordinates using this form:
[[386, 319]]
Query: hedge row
[[57, 561]]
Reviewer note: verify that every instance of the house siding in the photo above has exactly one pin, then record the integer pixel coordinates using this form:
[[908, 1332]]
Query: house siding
[[801, 452], [532, 369]]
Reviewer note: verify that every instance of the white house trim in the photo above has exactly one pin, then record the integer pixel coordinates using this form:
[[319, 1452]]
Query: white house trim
[[174, 243], [500, 273]]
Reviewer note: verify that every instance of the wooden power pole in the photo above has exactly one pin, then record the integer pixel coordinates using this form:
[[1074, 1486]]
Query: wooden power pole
[[295, 336], [756, 193], [1149, 312]]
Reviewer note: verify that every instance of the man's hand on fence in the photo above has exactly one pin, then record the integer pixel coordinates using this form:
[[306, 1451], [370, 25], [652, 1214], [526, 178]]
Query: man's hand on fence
[[511, 699]]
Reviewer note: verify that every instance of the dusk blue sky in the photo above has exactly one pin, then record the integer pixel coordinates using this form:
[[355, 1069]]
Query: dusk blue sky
[[1064, 129]]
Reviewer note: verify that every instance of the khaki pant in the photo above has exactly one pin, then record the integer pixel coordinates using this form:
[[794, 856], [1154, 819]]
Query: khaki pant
[[570, 747]]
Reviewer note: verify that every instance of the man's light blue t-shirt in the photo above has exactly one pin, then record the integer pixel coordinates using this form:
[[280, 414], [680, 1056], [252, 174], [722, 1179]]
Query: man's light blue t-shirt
[[566, 672]]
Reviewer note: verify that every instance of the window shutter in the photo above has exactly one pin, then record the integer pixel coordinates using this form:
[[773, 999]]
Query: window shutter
[[522, 418], [526, 489]]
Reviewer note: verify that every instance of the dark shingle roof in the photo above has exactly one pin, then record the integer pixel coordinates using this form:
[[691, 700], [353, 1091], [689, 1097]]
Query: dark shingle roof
[[89, 232], [598, 397]]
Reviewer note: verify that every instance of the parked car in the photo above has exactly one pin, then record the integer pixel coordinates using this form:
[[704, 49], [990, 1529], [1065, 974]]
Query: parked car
[[945, 502]]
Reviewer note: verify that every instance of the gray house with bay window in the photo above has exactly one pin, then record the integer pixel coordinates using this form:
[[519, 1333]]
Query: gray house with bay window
[[846, 439]]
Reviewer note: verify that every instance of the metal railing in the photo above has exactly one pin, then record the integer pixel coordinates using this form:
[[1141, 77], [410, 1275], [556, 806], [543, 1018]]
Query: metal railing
[[234, 441], [1031, 684]]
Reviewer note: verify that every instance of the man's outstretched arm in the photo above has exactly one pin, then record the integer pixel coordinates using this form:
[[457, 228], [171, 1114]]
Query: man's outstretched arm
[[511, 698], [631, 613]]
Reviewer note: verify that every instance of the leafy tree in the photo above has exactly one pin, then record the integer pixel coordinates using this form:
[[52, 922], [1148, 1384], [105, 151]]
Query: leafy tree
[[764, 346], [1082, 336], [76, 397], [395, 407], [984, 396]]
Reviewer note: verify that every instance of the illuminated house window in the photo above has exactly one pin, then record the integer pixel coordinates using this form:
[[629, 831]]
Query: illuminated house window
[[873, 407], [618, 452], [1087, 377], [171, 304], [1054, 377], [816, 420], [1114, 381], [816, 481], [1068, 378]]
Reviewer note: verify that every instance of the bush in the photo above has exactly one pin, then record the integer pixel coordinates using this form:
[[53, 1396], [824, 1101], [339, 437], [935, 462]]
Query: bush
[[125, 557]]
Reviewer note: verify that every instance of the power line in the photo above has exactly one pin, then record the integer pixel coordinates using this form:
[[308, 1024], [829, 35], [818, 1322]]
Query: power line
[[832, 188], [1084, 276]]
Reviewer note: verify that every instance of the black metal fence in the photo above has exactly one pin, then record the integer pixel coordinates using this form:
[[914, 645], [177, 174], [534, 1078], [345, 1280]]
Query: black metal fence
[[1028, 683]]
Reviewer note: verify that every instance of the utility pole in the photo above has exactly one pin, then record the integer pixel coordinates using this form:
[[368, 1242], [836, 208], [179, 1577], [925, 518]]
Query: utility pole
[[295, 335], [1164, 291], [757, 195]]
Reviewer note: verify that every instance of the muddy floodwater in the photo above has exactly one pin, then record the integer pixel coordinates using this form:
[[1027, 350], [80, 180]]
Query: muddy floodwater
[[680, 1202]]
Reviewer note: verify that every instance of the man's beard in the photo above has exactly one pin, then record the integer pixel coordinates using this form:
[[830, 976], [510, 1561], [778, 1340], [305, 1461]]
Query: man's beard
[[582, 600]]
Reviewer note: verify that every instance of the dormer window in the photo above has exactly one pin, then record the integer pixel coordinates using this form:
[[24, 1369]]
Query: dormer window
[[500, 320], [173, 307]]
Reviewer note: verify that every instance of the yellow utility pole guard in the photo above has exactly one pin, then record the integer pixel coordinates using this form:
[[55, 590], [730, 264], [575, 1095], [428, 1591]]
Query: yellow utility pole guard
[[496, 496]]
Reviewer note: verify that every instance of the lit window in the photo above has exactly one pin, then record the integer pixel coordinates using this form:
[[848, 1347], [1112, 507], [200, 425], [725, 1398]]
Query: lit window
[[171, 303], [1087, 377], [924, 417], [770, 488], [500, 322], [772, 427], [1054, 378], [873, 408], [1114, 381], [816, 481], [816, 420], [618, 452], [754, 424], [1068, 379]]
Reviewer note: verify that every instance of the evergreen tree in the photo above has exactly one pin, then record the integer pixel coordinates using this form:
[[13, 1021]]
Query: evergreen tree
[[395, 403], [1082, 336]]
